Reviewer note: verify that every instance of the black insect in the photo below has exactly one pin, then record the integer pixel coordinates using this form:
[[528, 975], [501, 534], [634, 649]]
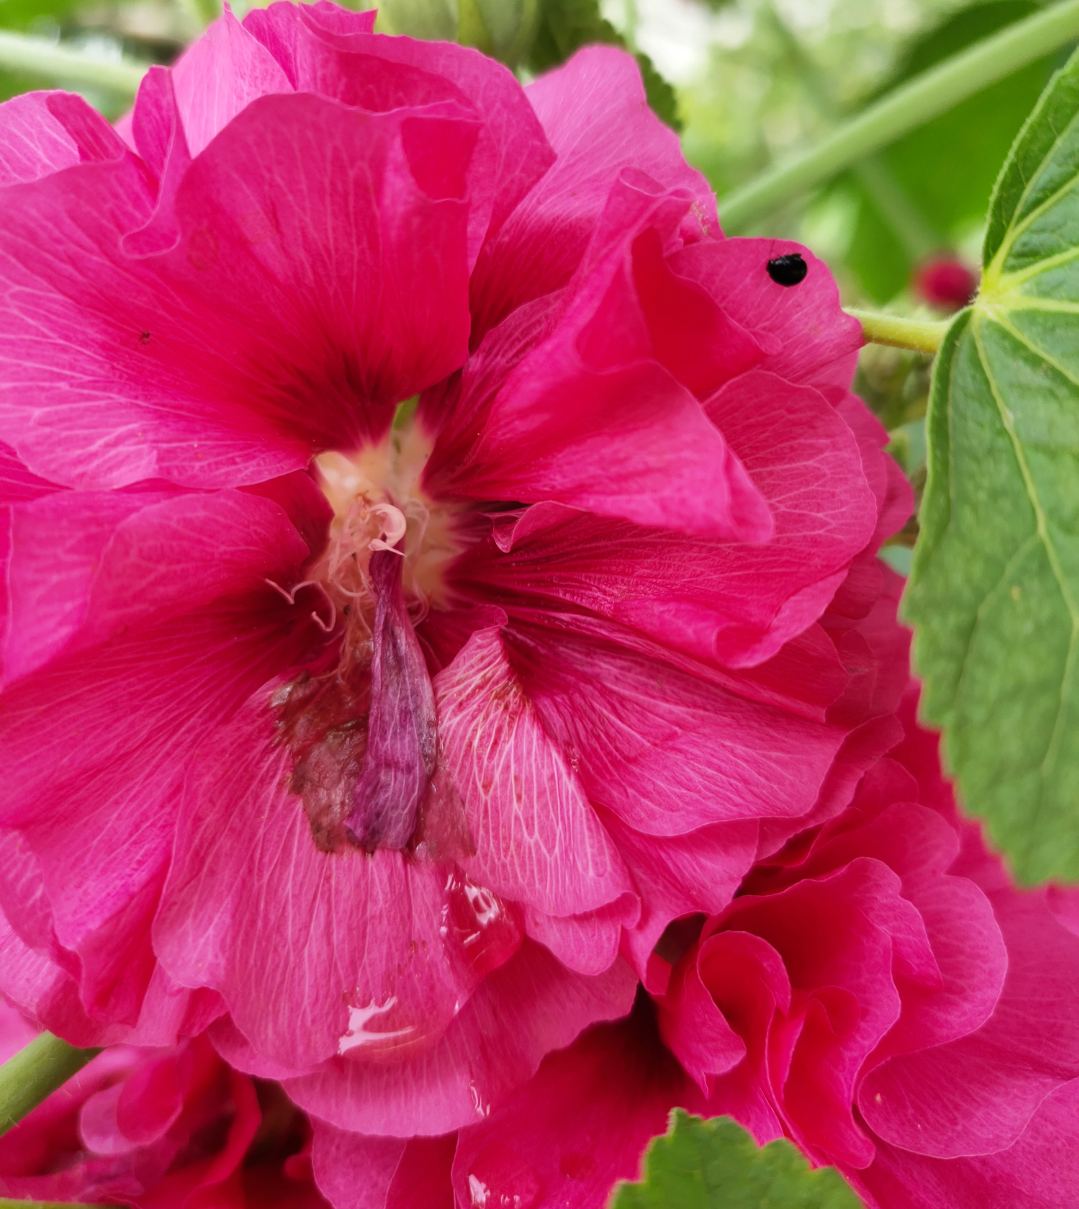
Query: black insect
[[144, 338], [789, 269]]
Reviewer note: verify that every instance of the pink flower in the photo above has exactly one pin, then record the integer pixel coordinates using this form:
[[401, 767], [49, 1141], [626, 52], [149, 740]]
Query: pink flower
[[158, 1129], [881, 993], [389, 748], [878, 991]]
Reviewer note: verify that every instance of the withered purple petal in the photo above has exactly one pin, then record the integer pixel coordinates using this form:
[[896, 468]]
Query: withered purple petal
[[402, 734]]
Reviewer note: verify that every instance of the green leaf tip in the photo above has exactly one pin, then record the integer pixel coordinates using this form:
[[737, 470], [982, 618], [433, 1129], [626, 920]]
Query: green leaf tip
[[994, 587], [715, 1164]]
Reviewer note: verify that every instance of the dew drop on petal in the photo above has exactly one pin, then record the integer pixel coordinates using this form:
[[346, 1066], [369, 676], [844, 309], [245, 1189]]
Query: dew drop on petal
[[500, 1180], [357, 1035], [486, 929]]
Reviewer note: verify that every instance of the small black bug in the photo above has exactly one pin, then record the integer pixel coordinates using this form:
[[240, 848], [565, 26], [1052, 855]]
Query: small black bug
[[789, 269]]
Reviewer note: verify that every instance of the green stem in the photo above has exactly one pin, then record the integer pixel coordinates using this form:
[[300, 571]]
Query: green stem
[[922, 335], [8, 1203], [904, 109], [907, 222], [39, 57], [34, 1073], [631, 17]]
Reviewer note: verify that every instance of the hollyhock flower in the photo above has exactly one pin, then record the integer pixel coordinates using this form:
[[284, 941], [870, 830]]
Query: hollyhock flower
[[436, 560], [155, 1129], [878, 991]]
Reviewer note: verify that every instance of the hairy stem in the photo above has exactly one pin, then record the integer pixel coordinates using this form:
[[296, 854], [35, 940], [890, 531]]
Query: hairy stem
[[904, 109], [21, 53], [921, 335], [34, 1073]]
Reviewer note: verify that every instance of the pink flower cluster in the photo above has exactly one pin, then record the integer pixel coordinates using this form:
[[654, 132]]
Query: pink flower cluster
[[446, 667]]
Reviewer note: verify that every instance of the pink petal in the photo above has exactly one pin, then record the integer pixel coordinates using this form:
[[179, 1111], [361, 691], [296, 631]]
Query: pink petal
[[17, 484], [677, 876], [86, 566], [316, 953], [591, 419], [977, 1094], [238, 66], [812, 342], [99, 817], [587, 943], [139, 374], [666, 751], [537, 838], [695, 1030], [734, 603], [48, 995], [967, 945], [331, 53], [519, 1013], [136, 1112], [594, 113], [838, 937], [15, 1030], [579, 1126], [895, 496], [157, 132], [356, 1171], [56, 545], [1040, 1170], [45, 132]]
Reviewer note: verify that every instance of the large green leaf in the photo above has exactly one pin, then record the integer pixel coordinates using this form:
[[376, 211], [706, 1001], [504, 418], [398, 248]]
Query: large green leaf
[[994, 592], [717, 1165]]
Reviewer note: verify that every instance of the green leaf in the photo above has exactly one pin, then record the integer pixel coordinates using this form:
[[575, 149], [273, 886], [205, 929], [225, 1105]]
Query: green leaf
[[976, 134], [994, 592], [567, 25], [716, 1165]]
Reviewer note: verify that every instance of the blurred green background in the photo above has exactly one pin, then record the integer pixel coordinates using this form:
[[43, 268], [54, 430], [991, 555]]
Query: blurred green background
[[747, 82]]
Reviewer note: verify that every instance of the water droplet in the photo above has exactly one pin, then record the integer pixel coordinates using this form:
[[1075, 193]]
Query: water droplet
[[482, 1109], [357, 1035], [500, 1180], [487, 929]]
